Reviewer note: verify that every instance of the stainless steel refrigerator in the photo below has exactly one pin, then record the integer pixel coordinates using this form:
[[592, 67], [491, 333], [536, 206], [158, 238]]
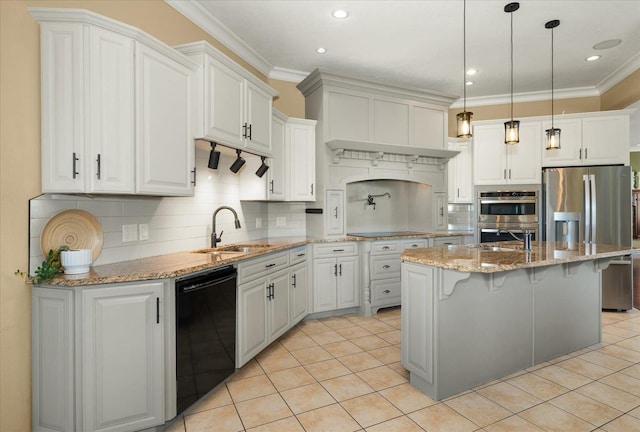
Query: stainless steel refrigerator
[[592, 205]]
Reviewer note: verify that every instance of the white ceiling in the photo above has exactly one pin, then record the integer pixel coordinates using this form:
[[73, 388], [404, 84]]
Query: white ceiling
[[419, 43]]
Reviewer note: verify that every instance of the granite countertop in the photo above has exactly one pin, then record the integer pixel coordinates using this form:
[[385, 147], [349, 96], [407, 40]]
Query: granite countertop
[[509, 256], [182, 263]]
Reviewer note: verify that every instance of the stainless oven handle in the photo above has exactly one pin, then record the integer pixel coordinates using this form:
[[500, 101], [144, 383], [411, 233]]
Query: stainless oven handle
[[509, 201], [199, 286]]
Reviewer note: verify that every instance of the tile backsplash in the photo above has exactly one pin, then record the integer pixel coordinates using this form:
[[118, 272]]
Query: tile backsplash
[[461, 217], [175, 223]]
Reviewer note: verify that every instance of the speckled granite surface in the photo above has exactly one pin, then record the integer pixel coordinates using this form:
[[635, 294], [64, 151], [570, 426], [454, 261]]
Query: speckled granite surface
[[182, 263], [470, 259]]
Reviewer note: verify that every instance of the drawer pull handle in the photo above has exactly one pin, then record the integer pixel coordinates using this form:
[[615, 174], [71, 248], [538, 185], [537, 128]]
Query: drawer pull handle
[[301, 254], [414, 246], [386, 266], [386, 292], [270, 265], [385, 247], [338, 250]]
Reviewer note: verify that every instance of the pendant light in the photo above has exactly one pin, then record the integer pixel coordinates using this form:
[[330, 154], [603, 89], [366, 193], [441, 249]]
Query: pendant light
[[553, 134], [511, 128], [464, 118]]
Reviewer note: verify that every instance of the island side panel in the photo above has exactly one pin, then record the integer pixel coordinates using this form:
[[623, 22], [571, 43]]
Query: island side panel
[[567, 304], [484, 329]]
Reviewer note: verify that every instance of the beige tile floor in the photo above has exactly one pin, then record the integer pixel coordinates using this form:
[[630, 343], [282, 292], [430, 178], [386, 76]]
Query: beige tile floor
[[344, 374]]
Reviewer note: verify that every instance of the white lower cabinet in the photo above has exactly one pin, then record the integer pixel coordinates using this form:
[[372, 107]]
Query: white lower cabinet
[[299, 292], [98, 357], [335, 212], [335, 276]]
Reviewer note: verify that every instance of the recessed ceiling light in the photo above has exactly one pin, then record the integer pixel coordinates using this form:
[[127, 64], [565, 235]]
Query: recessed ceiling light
[[593, 58], [469, 83], [472, 71], [607, 44], [340, 14], [321, 50]]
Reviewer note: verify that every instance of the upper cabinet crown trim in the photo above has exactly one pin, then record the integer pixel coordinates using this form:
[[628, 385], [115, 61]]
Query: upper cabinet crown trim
[[83, 16], [203, 47], [322, 77], [580, 115]]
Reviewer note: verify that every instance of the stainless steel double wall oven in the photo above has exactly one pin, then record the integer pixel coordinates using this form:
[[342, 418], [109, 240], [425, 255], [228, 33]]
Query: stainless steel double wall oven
[[515, 211]]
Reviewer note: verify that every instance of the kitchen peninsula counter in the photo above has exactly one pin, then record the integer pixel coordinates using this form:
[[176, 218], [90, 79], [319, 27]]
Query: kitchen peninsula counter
[[475, 313]]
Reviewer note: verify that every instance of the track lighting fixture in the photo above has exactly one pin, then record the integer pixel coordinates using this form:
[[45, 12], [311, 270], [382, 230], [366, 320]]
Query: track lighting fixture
[[214, 157], [238, 163], [262, 168]]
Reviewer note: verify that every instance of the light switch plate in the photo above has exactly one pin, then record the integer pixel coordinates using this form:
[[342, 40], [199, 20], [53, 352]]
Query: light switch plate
[[129, 233], [144, 231]]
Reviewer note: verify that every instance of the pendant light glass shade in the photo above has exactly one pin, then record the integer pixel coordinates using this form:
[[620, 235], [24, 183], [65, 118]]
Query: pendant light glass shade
[[553, 134], [463, 119], [512, 128], [464, 124], [512, 132]]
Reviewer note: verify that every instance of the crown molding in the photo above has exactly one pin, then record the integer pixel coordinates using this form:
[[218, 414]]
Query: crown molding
[[578, 92], [285, 74], [629, 67], [197, 14]]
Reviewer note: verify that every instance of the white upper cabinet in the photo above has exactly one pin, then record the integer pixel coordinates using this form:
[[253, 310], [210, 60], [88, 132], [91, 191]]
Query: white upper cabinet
[[496, 163], [460, 169], [300, 146], [598, 138], [233, 106], [112, 121], [277, 173]]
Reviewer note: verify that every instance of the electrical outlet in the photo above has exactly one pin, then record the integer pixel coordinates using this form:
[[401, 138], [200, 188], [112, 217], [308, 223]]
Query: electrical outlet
[[129, 233], [281, 221], [144, 231], [258, 222]]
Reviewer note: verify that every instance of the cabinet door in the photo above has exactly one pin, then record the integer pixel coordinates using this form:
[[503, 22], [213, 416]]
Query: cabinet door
[[390, 122], [299, 289], [428, 127], [165, 147], [110, 107], [122, 344], [459, 168], [63, 114], [605, 140], [440, 211], [276, 176], [324, 284], [570, 150], [452, 174], [301, 142], [335, 212], [348, 117], [348, 289], [279, 304], [252, 320], [258, 119], [224, 108], [489, 154], [524, 159]]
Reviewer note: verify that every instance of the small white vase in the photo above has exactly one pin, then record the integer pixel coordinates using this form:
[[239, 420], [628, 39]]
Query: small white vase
[[76, 261]]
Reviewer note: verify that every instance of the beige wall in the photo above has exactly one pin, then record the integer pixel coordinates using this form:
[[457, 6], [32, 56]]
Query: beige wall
[[622, 94], [20, 164], [619, 96]]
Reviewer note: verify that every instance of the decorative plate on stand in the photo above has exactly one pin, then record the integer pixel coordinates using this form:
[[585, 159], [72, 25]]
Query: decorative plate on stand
[[77, 229]]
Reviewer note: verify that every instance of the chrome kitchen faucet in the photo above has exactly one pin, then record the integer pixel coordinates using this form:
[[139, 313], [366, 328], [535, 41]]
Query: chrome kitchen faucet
[[214, 237]]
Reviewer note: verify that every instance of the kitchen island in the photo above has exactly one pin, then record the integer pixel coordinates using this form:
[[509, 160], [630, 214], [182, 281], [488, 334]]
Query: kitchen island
[[475, 313]]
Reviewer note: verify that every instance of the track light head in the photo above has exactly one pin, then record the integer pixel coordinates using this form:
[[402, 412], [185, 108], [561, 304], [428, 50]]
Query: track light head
[[238, 163]]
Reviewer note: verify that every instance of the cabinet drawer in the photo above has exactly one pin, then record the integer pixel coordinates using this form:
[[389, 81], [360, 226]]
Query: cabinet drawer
[[335, 249], [438, 241], [262, 266], [384, 267], [297, 255], [414, 243], [385, 247], [385, 291]]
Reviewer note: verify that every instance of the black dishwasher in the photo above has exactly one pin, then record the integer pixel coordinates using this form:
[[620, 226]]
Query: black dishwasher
[[205, 332]]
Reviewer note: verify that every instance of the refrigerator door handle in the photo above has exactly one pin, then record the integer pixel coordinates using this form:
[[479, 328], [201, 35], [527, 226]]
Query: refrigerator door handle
[[592, 181], [587, 208]]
